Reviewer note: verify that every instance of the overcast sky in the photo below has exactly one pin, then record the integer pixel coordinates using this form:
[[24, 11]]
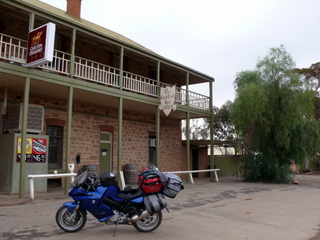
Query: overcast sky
[[218, 38]]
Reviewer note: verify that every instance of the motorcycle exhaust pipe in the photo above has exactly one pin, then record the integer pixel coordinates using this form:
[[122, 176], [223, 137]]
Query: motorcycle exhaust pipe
[[144, 214]]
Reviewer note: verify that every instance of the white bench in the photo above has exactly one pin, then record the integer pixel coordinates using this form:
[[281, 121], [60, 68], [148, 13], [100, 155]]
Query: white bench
[[123, 183], [197, 171]]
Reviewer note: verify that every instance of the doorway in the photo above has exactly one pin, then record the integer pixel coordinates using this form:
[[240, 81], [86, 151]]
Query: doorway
[[105, 152], [195, 161]]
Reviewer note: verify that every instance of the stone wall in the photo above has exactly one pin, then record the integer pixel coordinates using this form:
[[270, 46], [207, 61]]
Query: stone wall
[[85, 137]]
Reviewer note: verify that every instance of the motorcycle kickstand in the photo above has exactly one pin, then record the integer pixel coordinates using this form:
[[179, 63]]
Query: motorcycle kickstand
[[115, 229]]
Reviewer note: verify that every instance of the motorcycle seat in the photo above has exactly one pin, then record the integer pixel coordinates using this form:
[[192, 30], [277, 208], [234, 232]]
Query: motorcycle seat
[[131, 194]]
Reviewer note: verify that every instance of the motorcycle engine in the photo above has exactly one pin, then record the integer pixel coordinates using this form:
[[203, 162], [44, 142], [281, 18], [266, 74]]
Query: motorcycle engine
[[117, 218]]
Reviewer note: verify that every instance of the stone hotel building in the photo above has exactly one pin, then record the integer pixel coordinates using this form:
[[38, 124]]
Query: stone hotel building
[[93, 100]]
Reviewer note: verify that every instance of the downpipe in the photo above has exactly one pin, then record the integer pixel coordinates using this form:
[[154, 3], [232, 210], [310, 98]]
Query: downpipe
[[144, 214]]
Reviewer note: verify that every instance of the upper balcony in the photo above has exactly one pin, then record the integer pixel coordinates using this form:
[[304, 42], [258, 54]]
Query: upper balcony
[[96, 56], [14, 50]]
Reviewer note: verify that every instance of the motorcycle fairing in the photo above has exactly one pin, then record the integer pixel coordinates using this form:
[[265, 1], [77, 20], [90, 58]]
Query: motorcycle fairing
[[70, 206], [137, 200], [92, 202], [102, 213]]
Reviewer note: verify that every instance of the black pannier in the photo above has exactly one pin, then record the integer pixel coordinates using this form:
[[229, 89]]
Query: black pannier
[[108, 179], [155, 202], [174, 185]]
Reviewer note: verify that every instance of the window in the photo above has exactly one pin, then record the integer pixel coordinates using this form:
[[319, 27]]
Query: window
[[152, 156], [153, 150], [55, 134]]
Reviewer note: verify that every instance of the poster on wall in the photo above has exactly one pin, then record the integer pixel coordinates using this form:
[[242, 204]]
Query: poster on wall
[[36, 150]]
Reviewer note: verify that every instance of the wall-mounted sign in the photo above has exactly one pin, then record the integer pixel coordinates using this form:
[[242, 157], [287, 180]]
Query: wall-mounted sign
[[41, 45], [167, 98], [36, 150]]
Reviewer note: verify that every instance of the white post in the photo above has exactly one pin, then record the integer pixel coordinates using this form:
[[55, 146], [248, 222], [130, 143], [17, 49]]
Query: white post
[[71, 168], [191, 178], [216, 175], [72, 178], [123, 183], [31, 189]]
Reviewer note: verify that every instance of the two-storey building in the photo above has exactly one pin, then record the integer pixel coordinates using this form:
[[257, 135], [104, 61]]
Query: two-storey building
[[97, 101]]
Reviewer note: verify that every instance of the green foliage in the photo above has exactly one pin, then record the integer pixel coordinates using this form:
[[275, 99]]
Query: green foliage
[[223, 128], [273, 113], [245, 78], [312, 76], [199, 129], [261, 168]]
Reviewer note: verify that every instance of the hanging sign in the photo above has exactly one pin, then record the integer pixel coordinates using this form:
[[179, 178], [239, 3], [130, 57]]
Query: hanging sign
[[41, 45], [167, 98]]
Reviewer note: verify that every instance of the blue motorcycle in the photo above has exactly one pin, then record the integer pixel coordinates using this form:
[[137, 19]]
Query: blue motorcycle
[[106, 202]]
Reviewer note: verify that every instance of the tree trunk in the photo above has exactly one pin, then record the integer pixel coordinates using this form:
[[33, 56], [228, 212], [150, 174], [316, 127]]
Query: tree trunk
[[306, 164]]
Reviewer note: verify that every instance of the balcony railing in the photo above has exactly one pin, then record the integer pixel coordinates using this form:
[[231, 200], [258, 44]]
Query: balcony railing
[[60, 63], [15, 51], [139, 84], [97, 72]]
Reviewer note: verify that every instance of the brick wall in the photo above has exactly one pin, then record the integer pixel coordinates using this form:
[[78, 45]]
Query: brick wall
[[85, 138]]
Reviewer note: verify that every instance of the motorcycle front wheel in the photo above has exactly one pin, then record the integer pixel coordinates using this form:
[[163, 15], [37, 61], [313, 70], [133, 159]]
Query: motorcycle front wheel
[[149, 223], [68, 223]]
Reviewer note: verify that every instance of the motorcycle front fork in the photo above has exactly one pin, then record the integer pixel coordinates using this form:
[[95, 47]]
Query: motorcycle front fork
[[74, 214]]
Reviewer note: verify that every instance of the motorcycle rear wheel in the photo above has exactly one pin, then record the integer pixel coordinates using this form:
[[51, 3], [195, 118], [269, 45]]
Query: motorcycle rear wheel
[[149, 223], [70, 225]]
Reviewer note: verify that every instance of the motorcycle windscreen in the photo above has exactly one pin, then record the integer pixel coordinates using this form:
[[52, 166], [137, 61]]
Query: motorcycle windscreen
[[79, 179]]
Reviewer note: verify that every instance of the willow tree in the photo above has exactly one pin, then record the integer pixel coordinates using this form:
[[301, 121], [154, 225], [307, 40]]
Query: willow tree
[[312, 76], [273, 113]]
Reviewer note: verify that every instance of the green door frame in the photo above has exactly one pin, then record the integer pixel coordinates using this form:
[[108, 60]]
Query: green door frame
[[105, 161]]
